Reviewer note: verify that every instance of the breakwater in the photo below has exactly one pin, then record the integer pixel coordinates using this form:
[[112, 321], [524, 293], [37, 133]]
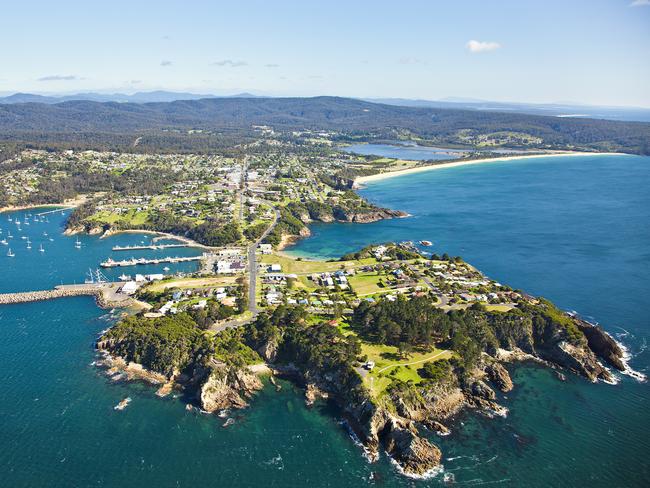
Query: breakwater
[[107, 294]]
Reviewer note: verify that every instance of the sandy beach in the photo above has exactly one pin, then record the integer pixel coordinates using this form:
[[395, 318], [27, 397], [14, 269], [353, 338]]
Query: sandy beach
[[358, 182]]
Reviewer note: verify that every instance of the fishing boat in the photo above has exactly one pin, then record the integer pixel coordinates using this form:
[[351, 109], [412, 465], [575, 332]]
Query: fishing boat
[[10, 253]]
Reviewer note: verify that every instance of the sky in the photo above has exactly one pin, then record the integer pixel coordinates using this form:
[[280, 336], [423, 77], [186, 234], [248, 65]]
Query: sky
[[586, 51]]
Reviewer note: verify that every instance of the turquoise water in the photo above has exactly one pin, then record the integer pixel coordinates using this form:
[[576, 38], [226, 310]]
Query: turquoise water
[[575, 230]]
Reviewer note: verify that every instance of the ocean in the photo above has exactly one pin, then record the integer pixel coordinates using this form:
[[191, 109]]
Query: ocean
[[576, 230]]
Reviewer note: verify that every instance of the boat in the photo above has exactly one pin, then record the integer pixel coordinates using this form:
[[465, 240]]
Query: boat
[[4, 242], [124, 277], [123, 404], [10, 253], [29, 245], [166, 268], [426, 243], [77, 244], [41, 248]]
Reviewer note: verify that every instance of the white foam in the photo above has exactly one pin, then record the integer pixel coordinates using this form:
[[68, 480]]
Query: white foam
[[427, 475]]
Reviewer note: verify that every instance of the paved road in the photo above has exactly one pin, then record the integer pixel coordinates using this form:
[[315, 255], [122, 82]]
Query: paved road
[[252, 264]]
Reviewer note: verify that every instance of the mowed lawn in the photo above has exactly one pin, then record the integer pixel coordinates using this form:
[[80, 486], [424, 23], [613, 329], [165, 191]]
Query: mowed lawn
[[366, 283], [387, 360], [293, 266], [189, 283]]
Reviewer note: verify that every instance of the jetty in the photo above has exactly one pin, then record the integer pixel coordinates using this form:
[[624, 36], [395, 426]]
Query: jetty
[[107, 294], [110, 263], [153, 247]]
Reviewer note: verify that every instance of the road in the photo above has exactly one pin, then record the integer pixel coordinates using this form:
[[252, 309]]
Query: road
[[252, 264], [414, 362]]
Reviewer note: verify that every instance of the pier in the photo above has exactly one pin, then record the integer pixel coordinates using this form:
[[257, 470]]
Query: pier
[[153, 247], [110, 263]]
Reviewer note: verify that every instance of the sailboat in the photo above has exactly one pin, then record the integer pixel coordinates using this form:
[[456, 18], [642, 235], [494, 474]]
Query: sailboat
[[77, 244], [10, 253], [41, 248], [29, 245]]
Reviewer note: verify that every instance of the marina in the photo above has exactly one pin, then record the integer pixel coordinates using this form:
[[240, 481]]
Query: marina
[[110, 263], [153, 247]]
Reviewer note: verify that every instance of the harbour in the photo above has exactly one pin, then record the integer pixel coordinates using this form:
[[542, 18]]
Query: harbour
[[111, 263]]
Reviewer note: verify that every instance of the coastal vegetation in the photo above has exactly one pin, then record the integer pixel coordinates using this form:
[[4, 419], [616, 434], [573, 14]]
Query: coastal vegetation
[[394, 361]]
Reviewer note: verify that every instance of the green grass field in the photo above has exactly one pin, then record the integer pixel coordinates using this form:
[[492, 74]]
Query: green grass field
[[292, 266], [366, 283], [389, 365]]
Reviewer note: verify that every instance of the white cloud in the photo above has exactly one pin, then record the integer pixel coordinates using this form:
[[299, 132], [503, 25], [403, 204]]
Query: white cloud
[[59, 78], [482, 46], [640, 3], [229, 62], [409, 60], [165, 63]]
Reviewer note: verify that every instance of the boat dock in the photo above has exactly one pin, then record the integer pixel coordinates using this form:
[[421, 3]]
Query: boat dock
[[153, 247], [110, 263]]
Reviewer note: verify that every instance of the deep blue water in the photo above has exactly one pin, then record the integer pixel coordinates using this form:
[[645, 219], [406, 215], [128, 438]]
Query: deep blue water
[[575, 230]]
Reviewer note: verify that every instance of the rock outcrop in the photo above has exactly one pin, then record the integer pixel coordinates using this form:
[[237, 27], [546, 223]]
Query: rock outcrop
[[499, 375], [414, 454], [602, 344], [227, 387], [366, 216]]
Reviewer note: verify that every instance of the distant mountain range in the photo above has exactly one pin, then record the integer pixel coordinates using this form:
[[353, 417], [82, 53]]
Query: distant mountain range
[[83, 120], [139, 97], [551, 109], [554, 109]]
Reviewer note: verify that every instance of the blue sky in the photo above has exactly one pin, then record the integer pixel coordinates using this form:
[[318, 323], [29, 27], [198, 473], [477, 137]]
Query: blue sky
[[589, 51]]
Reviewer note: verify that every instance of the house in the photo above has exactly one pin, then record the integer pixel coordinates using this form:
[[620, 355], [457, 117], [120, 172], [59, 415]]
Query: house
[[223, 267], [266, 248], [275, 268]]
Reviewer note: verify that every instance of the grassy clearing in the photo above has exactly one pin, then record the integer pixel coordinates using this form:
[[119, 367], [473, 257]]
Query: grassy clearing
[[291, 265], [389, 365], [501, 307], [366, 283], [188, 283]]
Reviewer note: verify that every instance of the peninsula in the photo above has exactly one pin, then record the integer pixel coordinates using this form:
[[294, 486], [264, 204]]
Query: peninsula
[[401, 341]]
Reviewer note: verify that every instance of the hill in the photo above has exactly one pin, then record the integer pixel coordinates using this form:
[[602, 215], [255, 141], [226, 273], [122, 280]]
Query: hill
[[348, 117]]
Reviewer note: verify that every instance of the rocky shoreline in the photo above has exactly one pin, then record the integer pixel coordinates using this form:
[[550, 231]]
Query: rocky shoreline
[[393, 427]]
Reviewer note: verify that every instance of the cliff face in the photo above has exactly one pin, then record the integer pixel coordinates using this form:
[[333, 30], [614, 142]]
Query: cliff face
[[366, 216], [552, 342], [602, 344], [227, 387]]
